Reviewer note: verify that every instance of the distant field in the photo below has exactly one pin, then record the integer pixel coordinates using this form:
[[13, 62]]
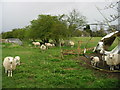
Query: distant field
[[46, 69]]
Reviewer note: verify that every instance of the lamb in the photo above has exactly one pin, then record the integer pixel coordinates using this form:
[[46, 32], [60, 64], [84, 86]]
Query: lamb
[[49, 45], [17, 60], [36, 43], [94, 60], [112, 60], [43, 47], [71, 43], [9, 65]]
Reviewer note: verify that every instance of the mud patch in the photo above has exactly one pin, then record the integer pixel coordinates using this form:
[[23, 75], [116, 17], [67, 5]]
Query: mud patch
[[103, 67]]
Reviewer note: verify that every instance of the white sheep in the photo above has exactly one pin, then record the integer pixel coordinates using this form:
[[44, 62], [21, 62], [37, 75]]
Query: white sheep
[[112, 60], [99, 46], [49, 45], [43, 47], [36, 43], [17, 60], [9, 65], [71, 43], [94, 60]]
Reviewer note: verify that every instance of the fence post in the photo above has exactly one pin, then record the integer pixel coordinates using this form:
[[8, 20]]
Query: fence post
[[61, 51], [79, 44]]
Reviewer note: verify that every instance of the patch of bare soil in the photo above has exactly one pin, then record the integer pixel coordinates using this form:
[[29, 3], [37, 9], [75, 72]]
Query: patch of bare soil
[[102, 67]]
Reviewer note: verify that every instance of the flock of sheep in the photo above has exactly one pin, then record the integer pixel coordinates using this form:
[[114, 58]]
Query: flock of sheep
[[10, 63], [48, 45], [111, 59]]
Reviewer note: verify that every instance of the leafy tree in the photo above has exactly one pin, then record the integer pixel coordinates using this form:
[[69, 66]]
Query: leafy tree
[[6, 35], [48, 27], [87, 29], [75, 21], [59, 32]]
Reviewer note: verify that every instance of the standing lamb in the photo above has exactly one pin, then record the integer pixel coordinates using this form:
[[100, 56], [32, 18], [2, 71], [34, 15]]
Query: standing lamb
[[9, 65], [71, 43], [94, 60], [43, 47], [112, 60], [17, 60]]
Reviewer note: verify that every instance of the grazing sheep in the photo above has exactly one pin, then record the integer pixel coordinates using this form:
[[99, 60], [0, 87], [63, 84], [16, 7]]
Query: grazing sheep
[[112, 60], [36, 43], [62, 43], [53, 45], [49, 45], [9, 65], [17, 60], [43, 47], [94, 60], [71, 43]]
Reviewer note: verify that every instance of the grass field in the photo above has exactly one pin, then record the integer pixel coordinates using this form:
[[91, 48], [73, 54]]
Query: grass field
[[46, 69]]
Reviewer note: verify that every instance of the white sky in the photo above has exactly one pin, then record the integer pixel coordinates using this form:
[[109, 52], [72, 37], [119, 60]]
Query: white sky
[[17, 14]]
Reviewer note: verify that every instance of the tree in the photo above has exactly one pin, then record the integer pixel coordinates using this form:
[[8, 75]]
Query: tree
[[48, 27], [87, 29], [58, 32], [112, 17], [75, 21], [6, 35]]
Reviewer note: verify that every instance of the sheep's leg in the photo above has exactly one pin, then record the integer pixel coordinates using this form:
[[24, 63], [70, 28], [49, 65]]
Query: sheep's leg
[[8, 73], [11, 73], [5, 70], [117, 67], [111, 68], [95, 64], [92, 63]]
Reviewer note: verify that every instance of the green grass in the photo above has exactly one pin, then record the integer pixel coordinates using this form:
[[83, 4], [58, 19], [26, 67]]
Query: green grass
[[46, 69]]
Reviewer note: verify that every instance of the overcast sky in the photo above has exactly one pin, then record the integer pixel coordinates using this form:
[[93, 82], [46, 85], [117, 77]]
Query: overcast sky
[[19, 14]]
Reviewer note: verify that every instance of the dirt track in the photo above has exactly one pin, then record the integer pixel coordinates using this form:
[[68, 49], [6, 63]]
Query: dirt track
[[101, 66]]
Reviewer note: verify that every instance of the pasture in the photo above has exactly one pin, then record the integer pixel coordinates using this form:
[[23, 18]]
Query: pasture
[[46, 69]]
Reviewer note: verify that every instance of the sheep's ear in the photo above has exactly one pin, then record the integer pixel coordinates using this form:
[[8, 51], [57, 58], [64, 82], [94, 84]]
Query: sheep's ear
[[8, 58]]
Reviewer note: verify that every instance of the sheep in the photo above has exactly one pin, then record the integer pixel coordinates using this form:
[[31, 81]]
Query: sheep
[[112, 60], [9, 65], [43, 47], [17, 60], [49, 45], [100, 46], [71, 43], [36, 43], [94, 60]]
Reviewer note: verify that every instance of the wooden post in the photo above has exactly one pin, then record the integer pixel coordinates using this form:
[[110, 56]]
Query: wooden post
[[79, 44], [61, 51]]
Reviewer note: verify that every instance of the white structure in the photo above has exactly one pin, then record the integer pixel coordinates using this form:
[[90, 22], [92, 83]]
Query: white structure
[[106, 42]]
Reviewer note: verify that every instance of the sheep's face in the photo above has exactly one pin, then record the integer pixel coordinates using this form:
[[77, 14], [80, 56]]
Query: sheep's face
[[111, 55], [99, 46], [17, 62], [10, 60], [91, 57], [17, 59], [33, 42]]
